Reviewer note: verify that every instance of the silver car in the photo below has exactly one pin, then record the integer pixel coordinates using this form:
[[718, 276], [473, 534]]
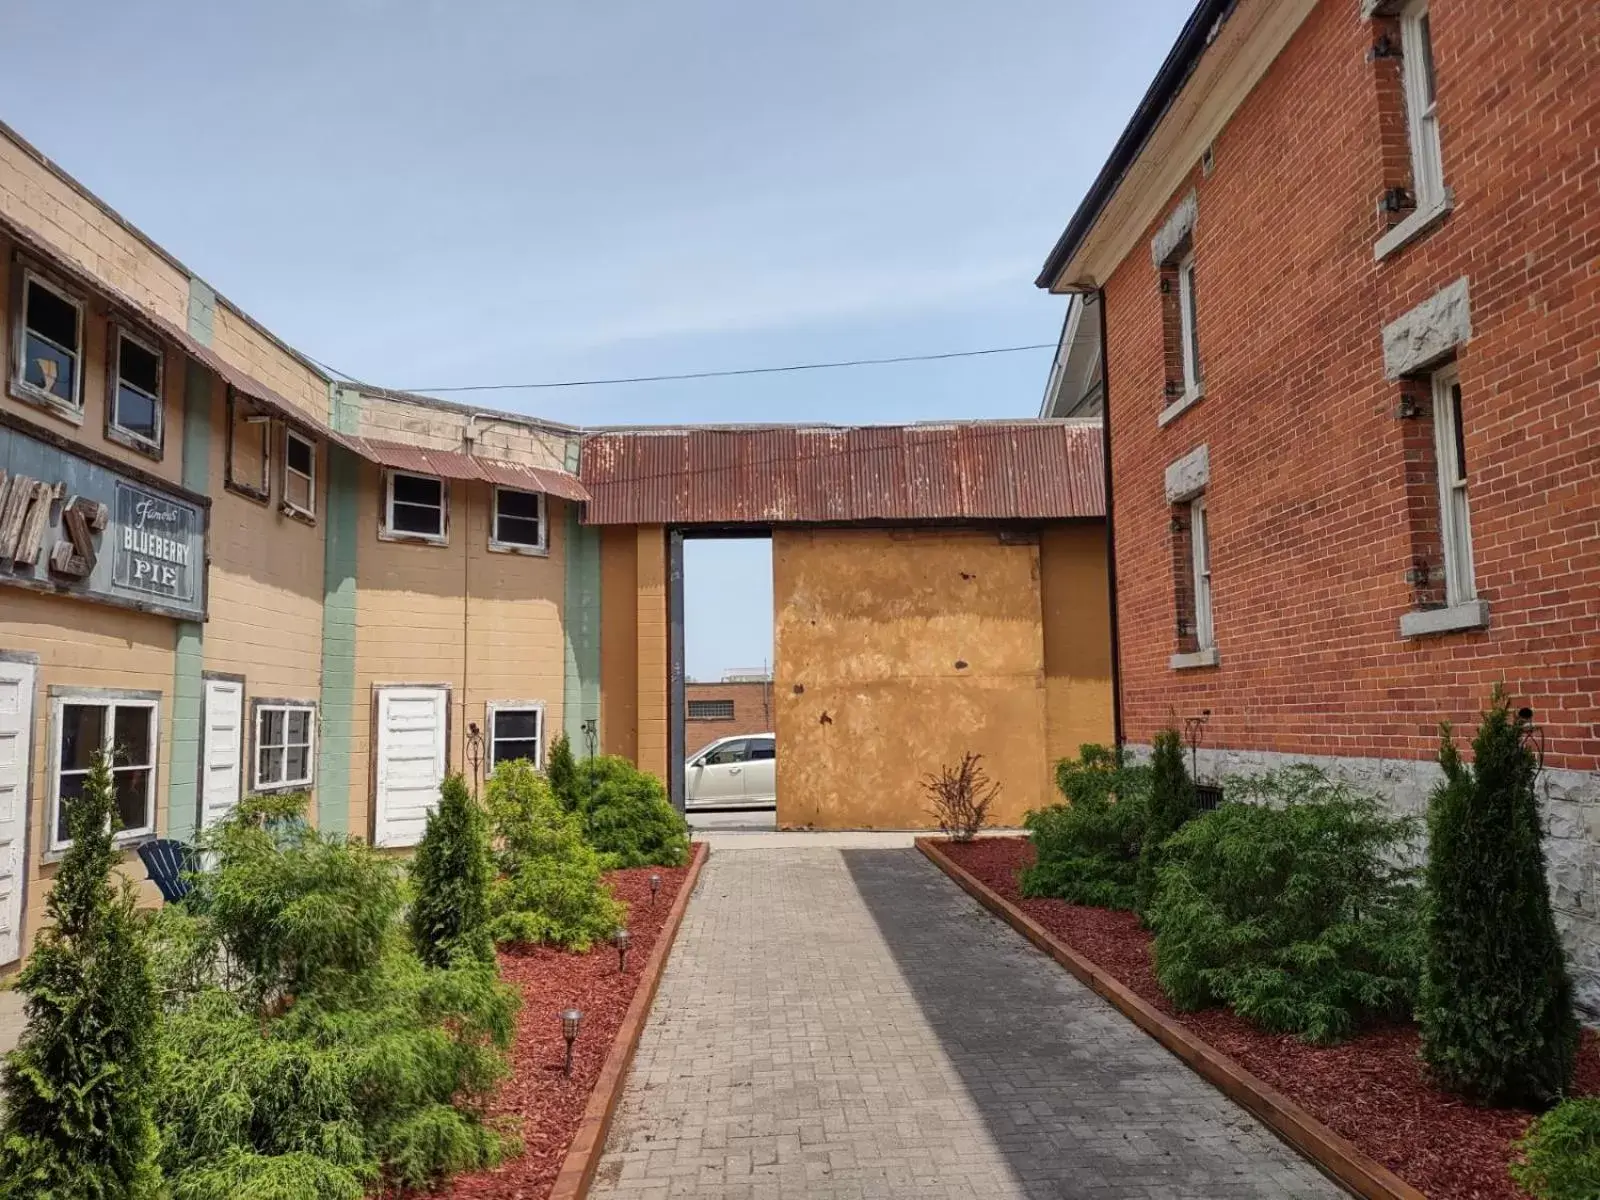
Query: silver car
[[737, 772]]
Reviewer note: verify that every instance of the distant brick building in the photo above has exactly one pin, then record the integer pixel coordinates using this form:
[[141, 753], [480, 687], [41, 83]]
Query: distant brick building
[[717, 710], [1344, 258]]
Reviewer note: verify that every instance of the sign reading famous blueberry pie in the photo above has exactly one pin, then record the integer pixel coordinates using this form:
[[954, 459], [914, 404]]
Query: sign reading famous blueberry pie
[[80, 525]]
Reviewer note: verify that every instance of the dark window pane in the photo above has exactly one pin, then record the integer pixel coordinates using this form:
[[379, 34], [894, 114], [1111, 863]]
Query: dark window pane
[[272, 727], [299, 726], [131, 736], [139, 367], [300, 456], [269, 766], [49, 369], [1461, 437], [133, 799], [136, 413], [71, 789], [519, 504], [294, 763], [412, 489], [763, 748], [516, 723], [514, 531], [412, 518], [733, 752], [505, 751], [53, 317], [1427, 60], [83, 731]]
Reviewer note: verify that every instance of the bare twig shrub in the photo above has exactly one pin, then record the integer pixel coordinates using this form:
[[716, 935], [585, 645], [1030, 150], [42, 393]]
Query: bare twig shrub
[[962, 796]]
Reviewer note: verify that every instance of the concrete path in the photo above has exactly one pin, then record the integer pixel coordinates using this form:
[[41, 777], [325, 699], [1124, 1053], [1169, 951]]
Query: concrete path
[[846, 1023]]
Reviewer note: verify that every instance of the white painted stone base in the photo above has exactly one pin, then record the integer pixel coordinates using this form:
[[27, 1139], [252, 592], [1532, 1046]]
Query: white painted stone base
[[1570, 801]]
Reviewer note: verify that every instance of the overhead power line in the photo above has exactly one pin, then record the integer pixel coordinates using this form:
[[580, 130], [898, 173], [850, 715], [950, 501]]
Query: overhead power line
[[789, 367]]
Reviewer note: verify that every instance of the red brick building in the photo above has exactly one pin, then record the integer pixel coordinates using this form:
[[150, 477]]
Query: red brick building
[[1345, 262], [718, 710]]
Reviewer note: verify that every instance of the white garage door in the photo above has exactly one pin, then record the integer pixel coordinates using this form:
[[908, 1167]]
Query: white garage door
[[16, 718], [411, 759], [224, 733]]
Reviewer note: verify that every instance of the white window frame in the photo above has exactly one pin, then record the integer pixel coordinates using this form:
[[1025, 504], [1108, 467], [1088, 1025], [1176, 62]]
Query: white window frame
[[507, 706], [1455, 518], [497, 543], [405, 535], [120, 334], [1205, 633], [1422, 119], [258, 744], [73, 408], [1187, 326], [310, 512], [90, 699]]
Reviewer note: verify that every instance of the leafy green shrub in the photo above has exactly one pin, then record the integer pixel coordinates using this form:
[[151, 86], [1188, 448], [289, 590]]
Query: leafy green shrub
[[561, 771], [550, 888], [307, 1050], [626, 815], [78, 1092], [1087, 850], [1172, 805], [1289, 907], [451, 875], [1496, 1001], [1561, 1153]]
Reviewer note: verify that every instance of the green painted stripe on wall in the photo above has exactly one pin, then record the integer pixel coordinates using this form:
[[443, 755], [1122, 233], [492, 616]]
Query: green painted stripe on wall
[[183, 774], [338, 703], [581, 629]]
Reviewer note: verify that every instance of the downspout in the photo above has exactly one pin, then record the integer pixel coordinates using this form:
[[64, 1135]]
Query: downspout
[[1111, 528]]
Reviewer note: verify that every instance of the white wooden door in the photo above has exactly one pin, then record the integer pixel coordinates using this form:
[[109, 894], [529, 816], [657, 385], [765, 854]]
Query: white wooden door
[[222, 754], [411, 759], [16, 722]]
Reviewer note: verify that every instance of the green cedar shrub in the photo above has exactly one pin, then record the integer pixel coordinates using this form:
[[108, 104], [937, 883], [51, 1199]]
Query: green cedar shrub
[[451, 874], [562, 772], [627, 817], [549, 888], [1087, 850], [1496, 1002], [1172, 805], [307, 1049], [1292, 906], [1560, 1154], [78, 1093]]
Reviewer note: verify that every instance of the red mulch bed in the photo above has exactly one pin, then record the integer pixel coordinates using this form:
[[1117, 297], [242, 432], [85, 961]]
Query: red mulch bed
[[1371, 1090], [542, 1105]]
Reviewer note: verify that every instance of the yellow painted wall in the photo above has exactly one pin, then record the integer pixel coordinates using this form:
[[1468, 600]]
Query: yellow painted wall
[[619, 640], [486, 624], [1077, 639], [651, 585]]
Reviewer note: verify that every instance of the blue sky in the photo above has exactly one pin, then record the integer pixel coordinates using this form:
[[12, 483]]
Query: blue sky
[[430, 193]]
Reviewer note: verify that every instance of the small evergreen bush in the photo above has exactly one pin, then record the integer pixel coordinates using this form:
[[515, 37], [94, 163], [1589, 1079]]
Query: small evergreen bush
[[451, 874], [1172, 805], [1496, 1001], [1087, 850], [78, 1092], [307, 1049], [550, 888], [626, 816], [562, 772], [1290, 908], [1561, 1153]]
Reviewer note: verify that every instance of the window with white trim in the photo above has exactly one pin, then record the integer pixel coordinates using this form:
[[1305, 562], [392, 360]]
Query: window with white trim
[[519, 521], [1450, 452], [48, 363], [285, 740], [299, 474], [1200, 555], [126, 731], [415, 506], [516, 731], [134, 411], [1422, 121], [1188, 324]]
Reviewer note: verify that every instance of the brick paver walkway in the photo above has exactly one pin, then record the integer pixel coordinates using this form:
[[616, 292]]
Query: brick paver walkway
[[848, 1024]]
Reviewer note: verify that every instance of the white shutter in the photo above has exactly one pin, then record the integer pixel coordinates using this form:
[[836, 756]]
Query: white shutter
[[221, 753], [16, 720], [411, 759]]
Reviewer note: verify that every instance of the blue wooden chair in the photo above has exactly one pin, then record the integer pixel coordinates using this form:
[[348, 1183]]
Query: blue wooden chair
[[166, 861]]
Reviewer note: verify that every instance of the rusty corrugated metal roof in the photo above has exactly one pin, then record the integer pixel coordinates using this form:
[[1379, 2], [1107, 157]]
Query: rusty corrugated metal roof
[[771, 475], [451, 464]]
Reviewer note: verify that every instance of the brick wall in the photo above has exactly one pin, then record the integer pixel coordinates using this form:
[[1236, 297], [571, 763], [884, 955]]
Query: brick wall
[[752, 711]]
